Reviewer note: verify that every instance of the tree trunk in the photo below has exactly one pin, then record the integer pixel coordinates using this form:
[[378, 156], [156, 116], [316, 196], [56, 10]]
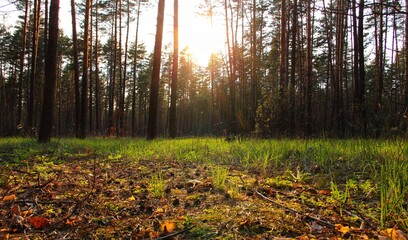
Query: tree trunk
[[308, 130], [294, 62], [172, 120], [22, 64], [97, 100], [283, 66], [31, 100], [84, 93], [135, 72], [76, 69], [154, 88], [47, 116], [254, 70], [406, 62]]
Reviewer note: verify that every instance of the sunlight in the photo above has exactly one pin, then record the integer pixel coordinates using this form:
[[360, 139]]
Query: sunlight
[[202, 37]]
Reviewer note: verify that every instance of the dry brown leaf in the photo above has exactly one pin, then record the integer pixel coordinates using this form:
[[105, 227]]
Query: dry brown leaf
[[168, 226], [15, 209], [39, 222], [8, 198]]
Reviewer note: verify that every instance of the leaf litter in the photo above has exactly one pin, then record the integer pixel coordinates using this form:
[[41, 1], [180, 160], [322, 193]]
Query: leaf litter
[[95, 198]]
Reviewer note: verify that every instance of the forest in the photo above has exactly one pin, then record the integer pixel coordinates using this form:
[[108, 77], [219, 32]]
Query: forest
[[204, 119], [288, 68]]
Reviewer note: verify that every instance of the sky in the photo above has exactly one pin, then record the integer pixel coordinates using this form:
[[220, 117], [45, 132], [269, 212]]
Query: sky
[[195, 31]]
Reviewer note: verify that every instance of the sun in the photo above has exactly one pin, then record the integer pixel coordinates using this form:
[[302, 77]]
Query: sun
[[202, 36]]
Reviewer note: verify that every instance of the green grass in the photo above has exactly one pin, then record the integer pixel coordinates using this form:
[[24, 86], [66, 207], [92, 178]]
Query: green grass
[[383, 163]]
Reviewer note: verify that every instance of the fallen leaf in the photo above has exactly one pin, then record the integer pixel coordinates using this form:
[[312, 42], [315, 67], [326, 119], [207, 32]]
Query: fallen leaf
[[8, 198], [26, 212], [324, 192], [394, 234], [343, 229], [159, 210], [168, 226], [72, 220], [131, 198], [15, 209], [39, 222]]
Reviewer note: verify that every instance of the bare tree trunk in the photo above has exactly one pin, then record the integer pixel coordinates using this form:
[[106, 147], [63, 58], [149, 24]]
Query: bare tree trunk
[[47, 116], [76, 69], [135, 72], [406, 62], [173, 103], [97, 100], [154, 88], [231, 77], [31, 100], [283, 65], [294, 62], [85, 68], [91, 83], [122, 120], [254, 69], [22, 64], [113, 72], [308, 129]]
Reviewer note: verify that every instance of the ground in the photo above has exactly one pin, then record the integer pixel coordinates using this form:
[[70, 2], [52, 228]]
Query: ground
[[87, 196]]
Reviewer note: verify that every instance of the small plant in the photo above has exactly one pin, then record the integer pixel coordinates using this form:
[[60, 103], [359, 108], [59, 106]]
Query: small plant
[[394, 192], [220, 175], [157, 185]]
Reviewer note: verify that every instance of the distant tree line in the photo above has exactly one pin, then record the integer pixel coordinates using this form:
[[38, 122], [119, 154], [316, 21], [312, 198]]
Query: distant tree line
[[292, 68]]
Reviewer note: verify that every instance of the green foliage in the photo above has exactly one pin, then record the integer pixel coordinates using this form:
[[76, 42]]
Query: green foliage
[[157, 185], [394, 191], [220, 175]]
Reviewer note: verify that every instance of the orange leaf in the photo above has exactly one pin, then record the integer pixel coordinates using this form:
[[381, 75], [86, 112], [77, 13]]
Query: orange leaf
[[159, 210], [324, 192], [344, 230], [394, 234], [168, 226], [39, 222], [8, 198]]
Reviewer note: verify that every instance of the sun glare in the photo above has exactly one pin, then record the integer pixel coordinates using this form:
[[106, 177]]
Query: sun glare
[[202, 37]]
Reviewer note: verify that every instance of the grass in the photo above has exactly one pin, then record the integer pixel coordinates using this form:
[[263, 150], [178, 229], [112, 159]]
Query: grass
[[376, 167]]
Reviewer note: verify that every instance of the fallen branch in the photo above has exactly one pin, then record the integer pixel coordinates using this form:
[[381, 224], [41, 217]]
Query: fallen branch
[[294, 211]]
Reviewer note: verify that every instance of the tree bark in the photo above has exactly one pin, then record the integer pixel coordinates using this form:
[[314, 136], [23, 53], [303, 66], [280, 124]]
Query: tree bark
[[84, 93], [22, 64], [31, 100], [135, 71], [308, 130], [76, 69], [172, 120], [154, 88], [283, 66], [47, 116]]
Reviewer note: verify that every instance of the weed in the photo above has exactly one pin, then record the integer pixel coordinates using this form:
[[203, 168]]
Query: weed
[[219, 175], [157, 185]]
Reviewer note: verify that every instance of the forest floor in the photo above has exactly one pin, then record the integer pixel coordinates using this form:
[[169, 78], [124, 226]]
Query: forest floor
[[88, 196]]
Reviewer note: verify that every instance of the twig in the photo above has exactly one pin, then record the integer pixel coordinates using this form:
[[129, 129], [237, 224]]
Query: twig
[[175, 233], [294, 211]]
